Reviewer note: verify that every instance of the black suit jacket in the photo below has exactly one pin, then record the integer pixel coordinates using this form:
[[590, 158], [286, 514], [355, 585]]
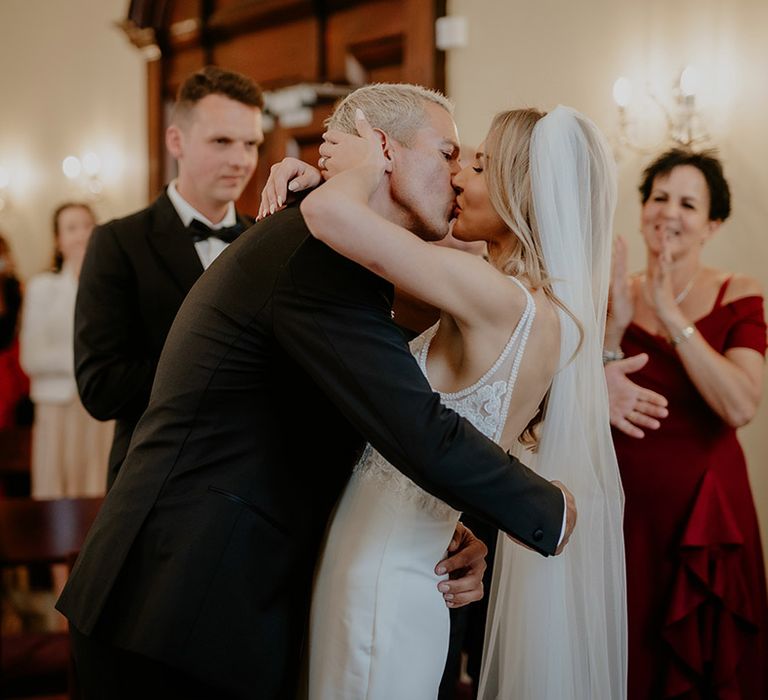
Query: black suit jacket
[[281, 357], [136, 273]]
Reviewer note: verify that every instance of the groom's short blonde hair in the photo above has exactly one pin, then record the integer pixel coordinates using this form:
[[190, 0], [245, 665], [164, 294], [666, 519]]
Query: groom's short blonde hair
[[395, 108]]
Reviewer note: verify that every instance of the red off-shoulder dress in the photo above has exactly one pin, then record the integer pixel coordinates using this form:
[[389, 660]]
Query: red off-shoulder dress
[[696, 585]]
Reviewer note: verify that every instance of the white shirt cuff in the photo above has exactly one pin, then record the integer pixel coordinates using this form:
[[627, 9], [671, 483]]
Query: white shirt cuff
[[565, 513]]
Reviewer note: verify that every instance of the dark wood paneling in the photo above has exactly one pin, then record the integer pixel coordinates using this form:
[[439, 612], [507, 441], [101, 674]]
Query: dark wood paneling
[[275, 56], [184, 9], [227, 5], [248, 16], [388, 74], [178, 66], [44, 531], [362, 31], [148, 13], [421, 62], [156, 127], [280, 43]]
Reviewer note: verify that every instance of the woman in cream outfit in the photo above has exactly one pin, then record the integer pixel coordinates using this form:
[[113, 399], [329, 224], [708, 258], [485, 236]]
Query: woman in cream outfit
[[69, 448]]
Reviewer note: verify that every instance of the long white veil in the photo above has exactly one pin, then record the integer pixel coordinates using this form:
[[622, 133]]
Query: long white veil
[[557, 626]]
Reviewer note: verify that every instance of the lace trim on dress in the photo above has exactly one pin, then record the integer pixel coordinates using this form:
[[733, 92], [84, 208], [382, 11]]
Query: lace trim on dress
[[372, 466], [485, 404], [523, 325]]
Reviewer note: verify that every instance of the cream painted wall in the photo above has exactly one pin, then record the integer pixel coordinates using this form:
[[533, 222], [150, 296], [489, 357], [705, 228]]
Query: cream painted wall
[[71, 83], [545, 52]]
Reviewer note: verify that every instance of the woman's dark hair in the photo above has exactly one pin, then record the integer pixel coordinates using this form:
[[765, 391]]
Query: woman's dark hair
[[58, 258], [710, 167]]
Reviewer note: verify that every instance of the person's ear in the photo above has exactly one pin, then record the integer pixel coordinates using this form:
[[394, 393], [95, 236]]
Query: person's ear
[[387, 148], [713, 227], [174, 141]]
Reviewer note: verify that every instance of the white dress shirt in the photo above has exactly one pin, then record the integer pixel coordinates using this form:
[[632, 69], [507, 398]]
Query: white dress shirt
[[209, 249]]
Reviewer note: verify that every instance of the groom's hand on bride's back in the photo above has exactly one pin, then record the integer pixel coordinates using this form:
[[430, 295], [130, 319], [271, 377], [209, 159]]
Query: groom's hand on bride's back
[[570, 516], [465, 566]]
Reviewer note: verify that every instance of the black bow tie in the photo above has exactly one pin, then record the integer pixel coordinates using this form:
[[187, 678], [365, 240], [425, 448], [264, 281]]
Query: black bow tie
[[201, 232]]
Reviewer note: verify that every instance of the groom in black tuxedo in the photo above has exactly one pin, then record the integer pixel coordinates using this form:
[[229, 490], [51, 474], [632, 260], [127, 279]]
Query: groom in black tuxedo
[[195, 578], [138, 269]]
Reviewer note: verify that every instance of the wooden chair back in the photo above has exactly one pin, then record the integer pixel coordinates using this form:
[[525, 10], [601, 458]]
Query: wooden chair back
[[41, 532]]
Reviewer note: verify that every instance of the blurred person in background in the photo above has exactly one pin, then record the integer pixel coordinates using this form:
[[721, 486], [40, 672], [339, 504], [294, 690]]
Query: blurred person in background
[[69, 448], [14, 385]]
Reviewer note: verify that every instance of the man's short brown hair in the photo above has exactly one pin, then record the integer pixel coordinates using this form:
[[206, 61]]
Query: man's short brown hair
[[216, 81]]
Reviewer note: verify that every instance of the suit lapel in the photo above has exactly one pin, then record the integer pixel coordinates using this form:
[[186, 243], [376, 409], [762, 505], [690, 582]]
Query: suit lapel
[[173, 244]]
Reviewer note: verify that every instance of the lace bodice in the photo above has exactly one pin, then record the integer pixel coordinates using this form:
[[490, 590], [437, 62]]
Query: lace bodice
[[485, 404]]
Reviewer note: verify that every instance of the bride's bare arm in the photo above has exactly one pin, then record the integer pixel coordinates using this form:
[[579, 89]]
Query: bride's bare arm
[[338, 213]]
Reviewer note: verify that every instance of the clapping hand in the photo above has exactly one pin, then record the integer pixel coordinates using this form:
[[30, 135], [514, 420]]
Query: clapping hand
[[661, 295], [632, 407]]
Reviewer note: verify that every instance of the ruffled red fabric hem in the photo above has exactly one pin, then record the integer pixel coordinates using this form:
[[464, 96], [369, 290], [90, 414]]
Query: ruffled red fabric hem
[[710, 621]]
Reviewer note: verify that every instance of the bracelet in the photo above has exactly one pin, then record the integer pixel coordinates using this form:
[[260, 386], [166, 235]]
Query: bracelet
[[612, 355], [683, 335]]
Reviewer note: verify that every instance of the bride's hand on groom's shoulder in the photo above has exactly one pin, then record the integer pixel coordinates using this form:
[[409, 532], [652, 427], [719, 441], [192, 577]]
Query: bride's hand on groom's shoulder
[[289, 175], [465, 566], [368, 151]]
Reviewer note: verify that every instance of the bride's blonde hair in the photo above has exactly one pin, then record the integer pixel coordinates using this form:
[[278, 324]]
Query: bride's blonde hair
[[508, 175], [507, 168]]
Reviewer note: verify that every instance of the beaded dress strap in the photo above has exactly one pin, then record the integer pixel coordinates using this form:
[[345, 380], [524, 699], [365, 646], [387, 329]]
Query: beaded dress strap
[[520, 333]]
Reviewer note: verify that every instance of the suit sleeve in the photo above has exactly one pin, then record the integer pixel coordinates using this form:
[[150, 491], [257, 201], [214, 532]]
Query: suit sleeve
[[337, 325], [113, 379]]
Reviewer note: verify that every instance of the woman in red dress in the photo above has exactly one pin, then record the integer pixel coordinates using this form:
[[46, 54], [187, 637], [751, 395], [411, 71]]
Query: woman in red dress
[[14, 384], [698, 616]]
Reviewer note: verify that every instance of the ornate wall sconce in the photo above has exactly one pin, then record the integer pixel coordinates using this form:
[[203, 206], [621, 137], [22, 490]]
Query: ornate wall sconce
[[683, 124], [85, 172], [5, 182]]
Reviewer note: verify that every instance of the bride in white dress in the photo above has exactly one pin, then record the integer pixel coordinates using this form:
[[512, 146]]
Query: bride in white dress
[[518, 341]]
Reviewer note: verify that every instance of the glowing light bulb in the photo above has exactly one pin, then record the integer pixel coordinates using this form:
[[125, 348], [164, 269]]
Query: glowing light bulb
[[71, 167], [689, 81], [622, 91], [91, 164]]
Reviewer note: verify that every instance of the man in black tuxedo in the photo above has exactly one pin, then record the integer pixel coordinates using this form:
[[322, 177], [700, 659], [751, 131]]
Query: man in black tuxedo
[[138, 269], [195, 578]]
